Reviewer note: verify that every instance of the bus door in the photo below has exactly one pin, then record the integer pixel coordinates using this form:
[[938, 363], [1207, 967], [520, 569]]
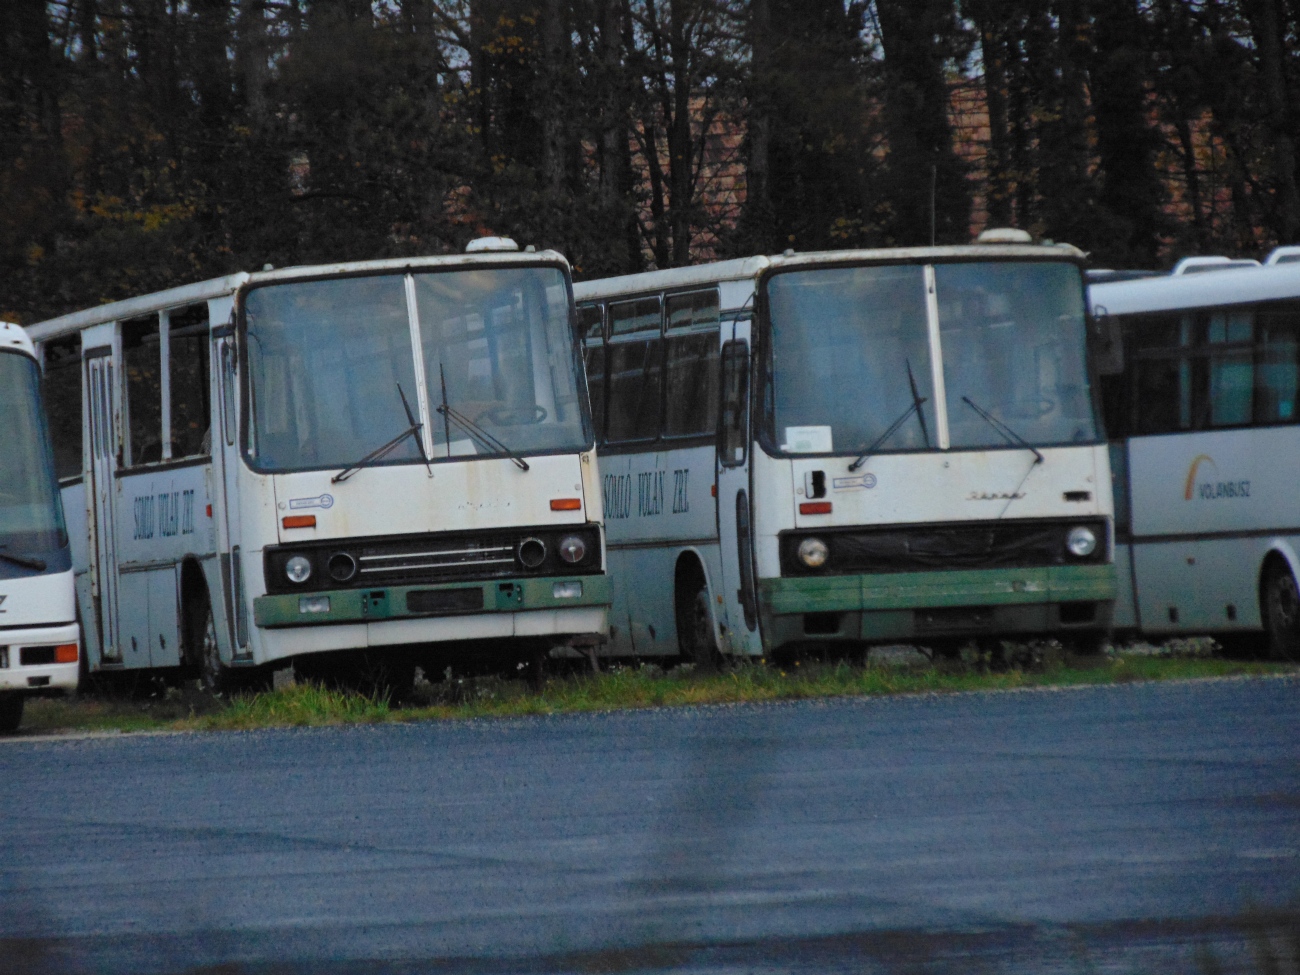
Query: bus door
[[225, 453], [735, 531], [102, 411]]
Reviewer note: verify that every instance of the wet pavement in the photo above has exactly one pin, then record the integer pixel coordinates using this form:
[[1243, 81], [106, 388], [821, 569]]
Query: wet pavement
[[1127, 828]]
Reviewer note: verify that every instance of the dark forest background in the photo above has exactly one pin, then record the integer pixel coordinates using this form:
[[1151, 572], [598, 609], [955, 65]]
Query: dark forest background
[[148, 143]]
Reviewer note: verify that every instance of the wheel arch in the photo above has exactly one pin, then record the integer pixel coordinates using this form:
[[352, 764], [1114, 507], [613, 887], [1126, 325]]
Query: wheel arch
[[1279, 551], [689, 570], [193, 589]]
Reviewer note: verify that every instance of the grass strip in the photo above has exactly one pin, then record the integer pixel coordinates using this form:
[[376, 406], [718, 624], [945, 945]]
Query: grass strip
[[618, 688]]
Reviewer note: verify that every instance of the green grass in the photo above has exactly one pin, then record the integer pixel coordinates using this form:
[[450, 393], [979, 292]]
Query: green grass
[[176, 709]]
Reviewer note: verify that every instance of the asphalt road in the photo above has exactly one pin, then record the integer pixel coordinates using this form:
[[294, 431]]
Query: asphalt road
[[1130, 828]]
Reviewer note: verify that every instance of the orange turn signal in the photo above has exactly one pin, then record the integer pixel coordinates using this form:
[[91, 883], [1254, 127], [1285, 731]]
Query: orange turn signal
[[65, 653], [298, 521], [565, 504], [815, 508]]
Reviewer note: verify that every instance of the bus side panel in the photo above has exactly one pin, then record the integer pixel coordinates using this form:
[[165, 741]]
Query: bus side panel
[[657, 504], [162, 518], [1206, 586], [1205, 507]]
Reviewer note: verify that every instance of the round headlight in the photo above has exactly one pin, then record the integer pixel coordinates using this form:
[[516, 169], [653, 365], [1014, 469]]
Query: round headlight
[[532, 552], [341, 566], [298, 569], [813, 553], [1081, 542], [572, 549]]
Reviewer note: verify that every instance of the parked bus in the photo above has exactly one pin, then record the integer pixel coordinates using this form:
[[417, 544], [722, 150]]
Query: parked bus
[[861, 446], [39, 645], [382, 454], [1201, 410]]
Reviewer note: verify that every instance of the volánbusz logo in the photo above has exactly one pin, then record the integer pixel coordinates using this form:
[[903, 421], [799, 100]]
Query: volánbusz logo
[[1211, 490]]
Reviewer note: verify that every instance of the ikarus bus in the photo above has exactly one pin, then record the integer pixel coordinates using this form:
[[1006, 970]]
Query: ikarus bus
[[39, 643], [374, 455], [1202, 406], [861, 446]]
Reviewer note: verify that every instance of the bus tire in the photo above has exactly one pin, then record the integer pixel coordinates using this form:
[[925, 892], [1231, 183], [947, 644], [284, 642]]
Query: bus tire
[[11, 711], [695, 639], [1281, 611], [203, 647]]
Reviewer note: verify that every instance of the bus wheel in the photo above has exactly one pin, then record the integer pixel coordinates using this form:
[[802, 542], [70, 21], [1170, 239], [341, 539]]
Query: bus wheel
[[695, 639], [11, 711], [1282, 612], [203, 645]]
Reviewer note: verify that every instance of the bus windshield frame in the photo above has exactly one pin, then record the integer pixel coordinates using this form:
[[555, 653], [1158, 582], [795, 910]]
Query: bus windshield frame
[[32, 526], [1017, 353], [332, 363]]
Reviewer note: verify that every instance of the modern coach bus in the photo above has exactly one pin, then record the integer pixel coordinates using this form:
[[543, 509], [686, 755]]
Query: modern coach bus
[[378, 455], [39, 646], [1202, 412], [859, 446]]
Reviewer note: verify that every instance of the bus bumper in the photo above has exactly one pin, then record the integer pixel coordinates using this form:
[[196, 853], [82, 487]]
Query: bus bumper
[[916, 606], [30, 659], [341, 619]]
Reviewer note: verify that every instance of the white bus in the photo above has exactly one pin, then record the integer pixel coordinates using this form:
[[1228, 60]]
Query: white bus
[[860, 446], [39, 646], [382, 454], [1202, 412]]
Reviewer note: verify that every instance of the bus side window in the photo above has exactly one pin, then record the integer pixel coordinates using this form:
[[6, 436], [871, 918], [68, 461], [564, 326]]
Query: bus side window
[[636, 370], [591, 325], [190, 385], [142, 365], [1277, 371], [63, 403], [691, 403], [733, 431]]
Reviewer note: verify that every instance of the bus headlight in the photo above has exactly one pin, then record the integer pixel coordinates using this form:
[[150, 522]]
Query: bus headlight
[[572, 549], [298, 569], [813, 553], [1081, 542]]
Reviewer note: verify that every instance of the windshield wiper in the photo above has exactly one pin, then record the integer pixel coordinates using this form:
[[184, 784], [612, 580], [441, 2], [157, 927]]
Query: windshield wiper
[[472, 428], [917, 402], [24, 561], [1009, 435], [382, 449]]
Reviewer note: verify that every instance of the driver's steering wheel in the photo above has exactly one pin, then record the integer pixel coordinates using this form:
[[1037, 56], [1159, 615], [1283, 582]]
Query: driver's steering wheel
[[511, 416]]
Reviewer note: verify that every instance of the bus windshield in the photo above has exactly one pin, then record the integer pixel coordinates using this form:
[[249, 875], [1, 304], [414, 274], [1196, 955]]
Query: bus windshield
[[848, 344], [31, 514], [1013, 339], [851, 355], [327, 359]]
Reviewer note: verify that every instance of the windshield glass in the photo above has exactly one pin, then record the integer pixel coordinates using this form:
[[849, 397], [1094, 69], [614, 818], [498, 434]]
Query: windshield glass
[[1013, 339], [31, 514], [326, 359], [847, 345], [500, 340]]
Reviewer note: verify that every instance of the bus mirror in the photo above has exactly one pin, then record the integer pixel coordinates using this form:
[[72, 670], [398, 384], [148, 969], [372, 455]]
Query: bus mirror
[[1106, 342]]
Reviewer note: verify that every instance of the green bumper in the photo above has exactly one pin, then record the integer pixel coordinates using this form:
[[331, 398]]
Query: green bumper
[[414, 602], [905, 605]]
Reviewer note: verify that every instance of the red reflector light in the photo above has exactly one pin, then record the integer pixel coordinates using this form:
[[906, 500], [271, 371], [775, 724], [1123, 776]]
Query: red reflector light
[[299, 521], [714, 490], [209, 511], [65, 654], [565, 504], [815, 508]]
